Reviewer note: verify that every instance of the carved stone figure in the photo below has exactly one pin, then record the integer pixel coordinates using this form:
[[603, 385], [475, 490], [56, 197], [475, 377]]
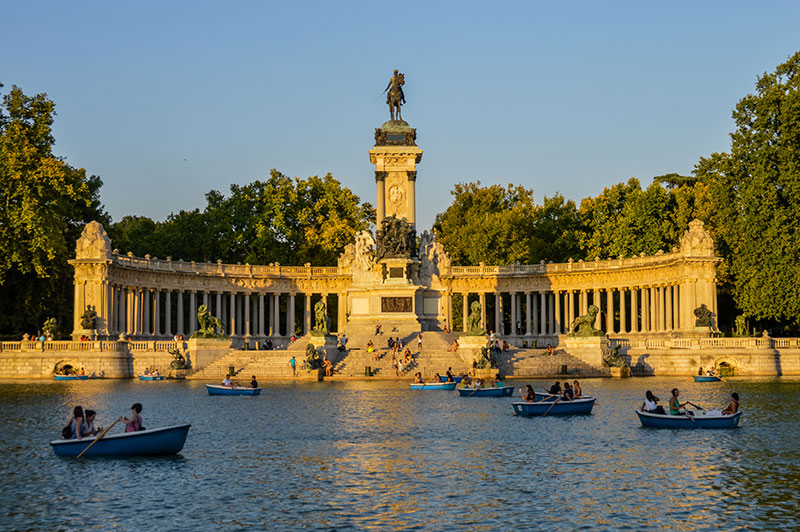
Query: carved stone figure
[[696, 241], [88, 318], [348, 257], [396, 238], [740, 325], [320, 319], [395, 97], [433, 259], [364, 252], [483, 362], [208, 325], [703, 316], [93, 243], [178, 362], [313, 360], [474, 321], [583, 326], [613, 359]]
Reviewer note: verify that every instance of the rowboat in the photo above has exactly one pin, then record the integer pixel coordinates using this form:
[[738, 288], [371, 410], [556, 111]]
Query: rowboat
[[217, 389], [500, 391], [165, 440], [152, 377], [455, 379], [434, 386], [552, 408], [697, 419], [71, 377], [542, 396], [706, 378]]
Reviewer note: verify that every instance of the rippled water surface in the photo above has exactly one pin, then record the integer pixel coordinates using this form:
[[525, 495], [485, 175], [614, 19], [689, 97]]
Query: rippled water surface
[[375, 455]]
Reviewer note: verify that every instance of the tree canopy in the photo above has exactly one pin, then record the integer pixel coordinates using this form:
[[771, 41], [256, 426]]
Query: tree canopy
[[756, 194], [45, 204]]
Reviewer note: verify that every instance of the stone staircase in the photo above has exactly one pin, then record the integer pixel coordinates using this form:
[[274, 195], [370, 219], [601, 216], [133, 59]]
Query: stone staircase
[[262, 364], [534, 363]]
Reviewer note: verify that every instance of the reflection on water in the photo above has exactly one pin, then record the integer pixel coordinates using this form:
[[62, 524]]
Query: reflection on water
[[375, 455]]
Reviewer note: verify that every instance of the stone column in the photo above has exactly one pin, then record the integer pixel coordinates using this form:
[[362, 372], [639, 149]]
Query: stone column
[[464, 311], [543, 325], [554, 325], [623, 326], [137, 311], [157, 313], [261, 314], [529, 314], [583, 300], [205, 299], [218, 305], [192, 312], [634, 310], [598, 321], [668, 307], [645, 310], [276, 318], [181, 330], [513, 313], [676, 307], [412, 206], [122, 318], [380, 208], [290, 316], [482, 298], [653, 304], [232, 313], [610, 311], [307, 315], [342, 317], [246, 304], [168, 312], [498, 313], [557, 322]]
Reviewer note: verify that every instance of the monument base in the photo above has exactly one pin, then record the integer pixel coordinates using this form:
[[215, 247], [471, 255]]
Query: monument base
[[91, 334], [589, 349], [622, 372], [203, 351]]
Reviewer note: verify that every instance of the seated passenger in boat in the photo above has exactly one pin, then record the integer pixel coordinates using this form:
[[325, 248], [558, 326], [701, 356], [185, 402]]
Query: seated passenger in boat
[[498, 381], [437, 378], [156, 373], [577, 390], [733, 407], [88, 427], [75, 426], [227, 381], [418, 378], [254, 382], [477, 383], [449, 375], [675, 405], [146, 371], [567, 395], [528, 394], [555, 389], [700, 372], [651, 405], [133, 423]]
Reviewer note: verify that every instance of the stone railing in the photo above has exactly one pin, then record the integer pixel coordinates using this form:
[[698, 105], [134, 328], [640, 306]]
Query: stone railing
[[744, 342], [136, 345], [222, 270], [571, 266], [70, 346]]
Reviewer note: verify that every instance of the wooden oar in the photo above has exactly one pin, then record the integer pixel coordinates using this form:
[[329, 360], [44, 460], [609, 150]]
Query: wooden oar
[[98, 438], [694, 405], [551, 406], [686, 412]]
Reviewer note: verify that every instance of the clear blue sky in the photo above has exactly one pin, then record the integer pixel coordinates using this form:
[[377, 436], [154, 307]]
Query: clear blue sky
[[167, 100]]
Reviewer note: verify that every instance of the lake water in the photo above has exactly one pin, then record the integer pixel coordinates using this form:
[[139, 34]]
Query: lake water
[[375, 455]]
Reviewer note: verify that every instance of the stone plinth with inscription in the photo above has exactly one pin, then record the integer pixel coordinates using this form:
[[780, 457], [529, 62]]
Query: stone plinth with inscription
[[589, 349]]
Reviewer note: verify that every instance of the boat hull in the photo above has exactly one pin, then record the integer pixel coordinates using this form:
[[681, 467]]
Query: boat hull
[[706, 378], [562, 408], [455, 379], [698, 421], [71, 377], [434, 386], [152, 442], [504, 391], [152, 377], [217, 389]]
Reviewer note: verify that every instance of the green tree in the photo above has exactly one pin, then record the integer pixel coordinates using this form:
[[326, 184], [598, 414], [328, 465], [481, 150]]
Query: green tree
[[557, 228], [44, 204], [756, 193]]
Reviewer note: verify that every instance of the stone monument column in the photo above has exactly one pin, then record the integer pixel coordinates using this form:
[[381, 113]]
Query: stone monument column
[[395, 156]]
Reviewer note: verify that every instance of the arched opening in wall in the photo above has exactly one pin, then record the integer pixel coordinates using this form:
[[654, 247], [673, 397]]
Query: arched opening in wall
[[726, 369], [65, 367]]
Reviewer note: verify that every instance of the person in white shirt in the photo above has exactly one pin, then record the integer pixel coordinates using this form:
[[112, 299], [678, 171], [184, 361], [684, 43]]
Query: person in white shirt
[[227, 381]]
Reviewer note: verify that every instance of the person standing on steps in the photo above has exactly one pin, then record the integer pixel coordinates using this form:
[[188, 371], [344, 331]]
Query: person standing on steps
[[293, 365], [419, 341]]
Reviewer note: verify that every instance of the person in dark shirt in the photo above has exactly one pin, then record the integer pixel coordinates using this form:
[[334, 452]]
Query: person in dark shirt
[[254, 382], [555, 389]]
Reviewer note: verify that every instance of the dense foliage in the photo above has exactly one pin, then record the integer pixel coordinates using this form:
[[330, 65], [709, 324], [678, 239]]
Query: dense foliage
[[44, 204], [285, 220]]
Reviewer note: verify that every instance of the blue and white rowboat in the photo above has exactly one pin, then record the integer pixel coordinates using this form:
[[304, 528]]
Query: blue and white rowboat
[[434, 386], [706, 378], [71, 377], [166, 440], [455, 379], [502, 391], [152, 377], [562, 408], [218, 389], [697, 419]]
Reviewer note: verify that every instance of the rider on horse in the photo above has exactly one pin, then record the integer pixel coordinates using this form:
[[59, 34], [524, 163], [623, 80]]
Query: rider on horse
[[395, 97]]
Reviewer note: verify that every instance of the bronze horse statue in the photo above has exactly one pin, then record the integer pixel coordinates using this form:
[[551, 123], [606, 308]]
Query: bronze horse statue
[[395, 97]]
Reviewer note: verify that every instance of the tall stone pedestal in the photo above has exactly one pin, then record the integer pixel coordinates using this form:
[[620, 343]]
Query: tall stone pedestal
[[469, 348], [588, 349], [204, 351]]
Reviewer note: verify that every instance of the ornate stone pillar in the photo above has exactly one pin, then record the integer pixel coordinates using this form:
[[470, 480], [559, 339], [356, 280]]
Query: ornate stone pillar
[[598, 321], [412, 194], [246, 304], [498, 313], [232, 316], [610, 311], [513, 313], [645, 309], [168, 312], [122, 319], [205, 299], [653, 303], [181, 330], [380, 207], [307, 315], [543, 327], [276, 318], [634, 309], [261, 314], [676, 308], [464, 311], [482, 298], [192, 312], [557, 323], [623, 325], [341, 319], [290, 316], [668, 307], [157, 313], [529, 313]]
